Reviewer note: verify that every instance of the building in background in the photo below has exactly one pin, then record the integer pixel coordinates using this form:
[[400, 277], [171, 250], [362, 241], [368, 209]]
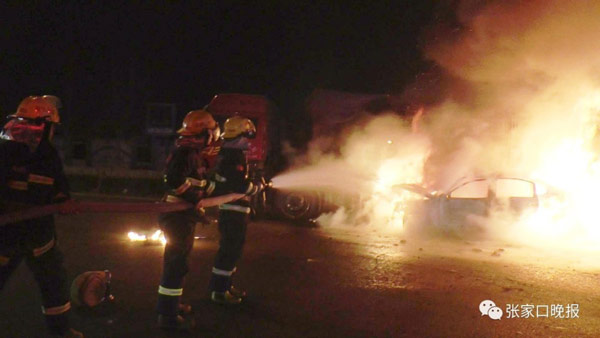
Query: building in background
[[146, 150]]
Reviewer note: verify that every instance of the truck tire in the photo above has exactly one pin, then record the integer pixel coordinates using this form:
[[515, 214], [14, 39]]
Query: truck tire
[[297, 205]]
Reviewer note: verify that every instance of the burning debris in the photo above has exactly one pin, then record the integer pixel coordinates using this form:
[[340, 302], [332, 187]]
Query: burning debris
[[150, 237]]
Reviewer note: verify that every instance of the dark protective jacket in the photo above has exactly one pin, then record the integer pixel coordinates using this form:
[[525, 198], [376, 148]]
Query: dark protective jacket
[[187, 170], [28, 178], [231, 175]]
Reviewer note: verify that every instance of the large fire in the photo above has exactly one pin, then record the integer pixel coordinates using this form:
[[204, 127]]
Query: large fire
[[571, 166], [522, 99]]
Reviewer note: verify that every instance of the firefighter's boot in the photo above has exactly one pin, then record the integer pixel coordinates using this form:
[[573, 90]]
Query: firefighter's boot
[[176, 323], [225, 298], [232, 289], [237, 292]]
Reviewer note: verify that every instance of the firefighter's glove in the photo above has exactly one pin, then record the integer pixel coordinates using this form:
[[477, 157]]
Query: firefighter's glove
[[68, 207]]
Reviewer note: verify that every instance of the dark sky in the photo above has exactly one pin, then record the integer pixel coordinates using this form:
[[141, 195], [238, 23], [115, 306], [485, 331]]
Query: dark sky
[[106, 59]]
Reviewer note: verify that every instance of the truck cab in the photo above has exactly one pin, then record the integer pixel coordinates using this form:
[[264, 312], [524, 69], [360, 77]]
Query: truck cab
[[255, 107]]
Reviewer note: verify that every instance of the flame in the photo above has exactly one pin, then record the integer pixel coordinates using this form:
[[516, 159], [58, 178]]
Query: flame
[[156, 237], [522, 100], [570, 165], [384, 206], [135, 237]]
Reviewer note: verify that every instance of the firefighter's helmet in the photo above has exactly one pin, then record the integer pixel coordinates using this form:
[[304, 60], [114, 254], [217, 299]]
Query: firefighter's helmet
[[91, 288], [238, 126], [39, 108], [196, 122], [54, 99]]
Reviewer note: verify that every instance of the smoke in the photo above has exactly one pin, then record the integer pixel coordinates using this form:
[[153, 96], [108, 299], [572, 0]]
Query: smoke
[[373, 156], [521, 98], [528, 72], [528, 66]]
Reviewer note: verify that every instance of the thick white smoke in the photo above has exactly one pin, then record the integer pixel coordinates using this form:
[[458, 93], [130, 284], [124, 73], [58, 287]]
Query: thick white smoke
[[375, 155], [522, 99], [531, 69], [529, 66]]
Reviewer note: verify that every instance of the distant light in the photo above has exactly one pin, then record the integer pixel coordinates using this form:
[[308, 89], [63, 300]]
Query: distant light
[[389, 141]]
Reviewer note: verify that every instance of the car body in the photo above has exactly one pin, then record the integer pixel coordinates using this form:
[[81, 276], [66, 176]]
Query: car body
[[465, 204]]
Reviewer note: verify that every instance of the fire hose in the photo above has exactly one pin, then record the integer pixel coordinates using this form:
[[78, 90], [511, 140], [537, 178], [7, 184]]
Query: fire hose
[[111, 207]]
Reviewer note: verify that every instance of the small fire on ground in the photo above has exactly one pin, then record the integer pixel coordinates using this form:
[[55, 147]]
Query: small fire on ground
[[156, 237]]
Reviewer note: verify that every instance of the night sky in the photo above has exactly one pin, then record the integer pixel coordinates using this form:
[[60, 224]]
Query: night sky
[[106, 59]]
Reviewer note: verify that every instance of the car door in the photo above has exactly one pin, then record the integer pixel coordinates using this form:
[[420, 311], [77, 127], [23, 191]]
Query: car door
[[470, 198], [514, 193]]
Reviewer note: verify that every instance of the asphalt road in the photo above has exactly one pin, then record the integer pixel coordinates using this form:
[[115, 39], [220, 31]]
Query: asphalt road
[[319, 282]]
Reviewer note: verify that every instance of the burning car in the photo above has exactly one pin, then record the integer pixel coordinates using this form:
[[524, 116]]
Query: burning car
[[464, 206]]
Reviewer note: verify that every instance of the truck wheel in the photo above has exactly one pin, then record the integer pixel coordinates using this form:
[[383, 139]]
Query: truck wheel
[[297, 205]]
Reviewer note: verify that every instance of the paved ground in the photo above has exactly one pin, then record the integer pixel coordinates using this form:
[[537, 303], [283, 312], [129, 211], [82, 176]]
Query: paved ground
[[314, 282]]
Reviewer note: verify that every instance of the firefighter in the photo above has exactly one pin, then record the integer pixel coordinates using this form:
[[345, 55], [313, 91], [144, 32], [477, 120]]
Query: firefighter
[[185, 177], [231, 176], [31, 174]]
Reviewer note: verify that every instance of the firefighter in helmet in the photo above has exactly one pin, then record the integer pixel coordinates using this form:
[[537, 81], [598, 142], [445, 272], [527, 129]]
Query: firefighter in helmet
[[31, 174], [185, 178], [231, 176]]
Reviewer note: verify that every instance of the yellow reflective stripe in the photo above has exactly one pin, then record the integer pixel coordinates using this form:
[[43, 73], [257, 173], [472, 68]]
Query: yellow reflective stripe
[[237, 208], [42, 250], [17, 185], [195, 182], [40, 179], [222, 272], [4, 260], [211, 188], [183, 188], [188, 183], [57, 310], [169, 292], [250, 188], [174, 199]]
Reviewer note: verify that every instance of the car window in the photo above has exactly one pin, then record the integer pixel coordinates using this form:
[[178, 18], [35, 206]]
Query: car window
[[474, 189], [507, 187]]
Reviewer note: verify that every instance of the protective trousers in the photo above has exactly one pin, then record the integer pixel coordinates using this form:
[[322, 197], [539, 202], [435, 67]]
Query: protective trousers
[[232, 228], [35, 241], [178, 228]]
